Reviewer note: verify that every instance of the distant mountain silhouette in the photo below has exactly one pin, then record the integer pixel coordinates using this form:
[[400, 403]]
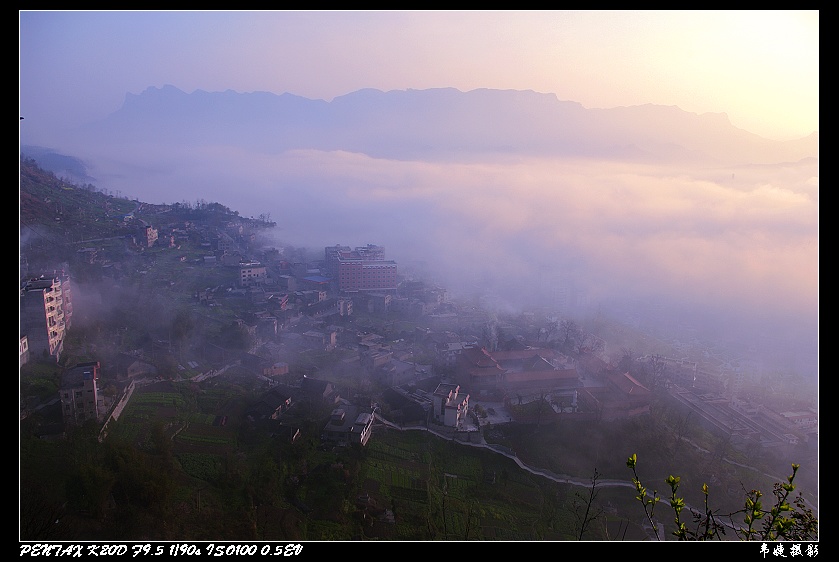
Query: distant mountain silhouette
[[436, 124]]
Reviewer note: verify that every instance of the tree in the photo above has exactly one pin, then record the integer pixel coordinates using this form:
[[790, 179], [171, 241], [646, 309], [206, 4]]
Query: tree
[[41, 517], [491, 335], [657, 376], [592, 342], [627, 359], [590, 510], [680, 427], [571, 334], [543, 395], [88, 488], [235, 336], [781, 521], [181, 328], [550, 329]]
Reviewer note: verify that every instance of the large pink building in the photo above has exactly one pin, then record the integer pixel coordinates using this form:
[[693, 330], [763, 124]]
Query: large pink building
[[361, 269]]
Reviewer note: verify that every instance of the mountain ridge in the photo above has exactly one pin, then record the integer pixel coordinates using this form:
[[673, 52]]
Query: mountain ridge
[[434, 124]]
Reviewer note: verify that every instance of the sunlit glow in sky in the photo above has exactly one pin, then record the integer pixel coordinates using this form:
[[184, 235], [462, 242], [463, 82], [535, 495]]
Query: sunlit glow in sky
[[761, 68]]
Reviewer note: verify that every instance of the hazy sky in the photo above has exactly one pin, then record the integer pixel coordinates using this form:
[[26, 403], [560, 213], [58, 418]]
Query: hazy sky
[[761, 68]]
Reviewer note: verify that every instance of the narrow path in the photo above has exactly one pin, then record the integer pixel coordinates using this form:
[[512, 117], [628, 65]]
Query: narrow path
[[509, 453], [563, 478]]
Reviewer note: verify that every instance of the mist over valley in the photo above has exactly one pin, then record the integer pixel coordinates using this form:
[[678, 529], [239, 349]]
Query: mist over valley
[[677, 223]]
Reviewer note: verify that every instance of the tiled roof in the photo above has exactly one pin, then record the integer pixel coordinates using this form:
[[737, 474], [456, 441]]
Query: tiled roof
[[534, 376], [626, 383], [524, 353], [478, 357]]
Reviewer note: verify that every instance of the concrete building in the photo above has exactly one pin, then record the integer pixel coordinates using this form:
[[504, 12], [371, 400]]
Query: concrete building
[[331, 255], [347, 425], [252, 274], [321, 340], [361, 269], [45, 313], [364, 275], [24, 350], [450, 406], [271, 405], [79, 393], [150, 236], [345, 307], [801, 419]]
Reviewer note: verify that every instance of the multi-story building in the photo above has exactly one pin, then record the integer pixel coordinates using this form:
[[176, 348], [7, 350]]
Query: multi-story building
[[150, 236], [321, 340], [252, 274], [364, 275], [331, 255], [24, 350], [361, 269], [347, 426], [272, 405], [45, 313], [79, 393], [345, 307], [450, 405], [379, 302], [226, 244]]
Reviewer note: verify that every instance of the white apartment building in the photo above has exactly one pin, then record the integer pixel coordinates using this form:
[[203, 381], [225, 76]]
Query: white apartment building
[[45, 312]]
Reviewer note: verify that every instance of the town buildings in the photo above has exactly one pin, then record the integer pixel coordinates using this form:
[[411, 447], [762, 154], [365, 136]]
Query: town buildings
[[271, 405], [360, 279]]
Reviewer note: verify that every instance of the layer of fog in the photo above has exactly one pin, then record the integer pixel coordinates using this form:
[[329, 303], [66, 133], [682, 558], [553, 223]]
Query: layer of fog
[[726, 252]]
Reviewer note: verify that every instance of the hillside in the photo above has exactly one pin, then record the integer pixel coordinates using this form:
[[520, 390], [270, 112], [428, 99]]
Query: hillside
[[46, 200], [169, 469], [58, 218]]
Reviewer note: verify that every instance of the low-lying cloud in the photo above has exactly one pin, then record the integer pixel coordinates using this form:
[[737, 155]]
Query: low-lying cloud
[[733, 246]]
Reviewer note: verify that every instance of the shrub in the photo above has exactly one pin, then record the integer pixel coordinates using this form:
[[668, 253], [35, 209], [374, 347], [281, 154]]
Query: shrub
[[782, 521]]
